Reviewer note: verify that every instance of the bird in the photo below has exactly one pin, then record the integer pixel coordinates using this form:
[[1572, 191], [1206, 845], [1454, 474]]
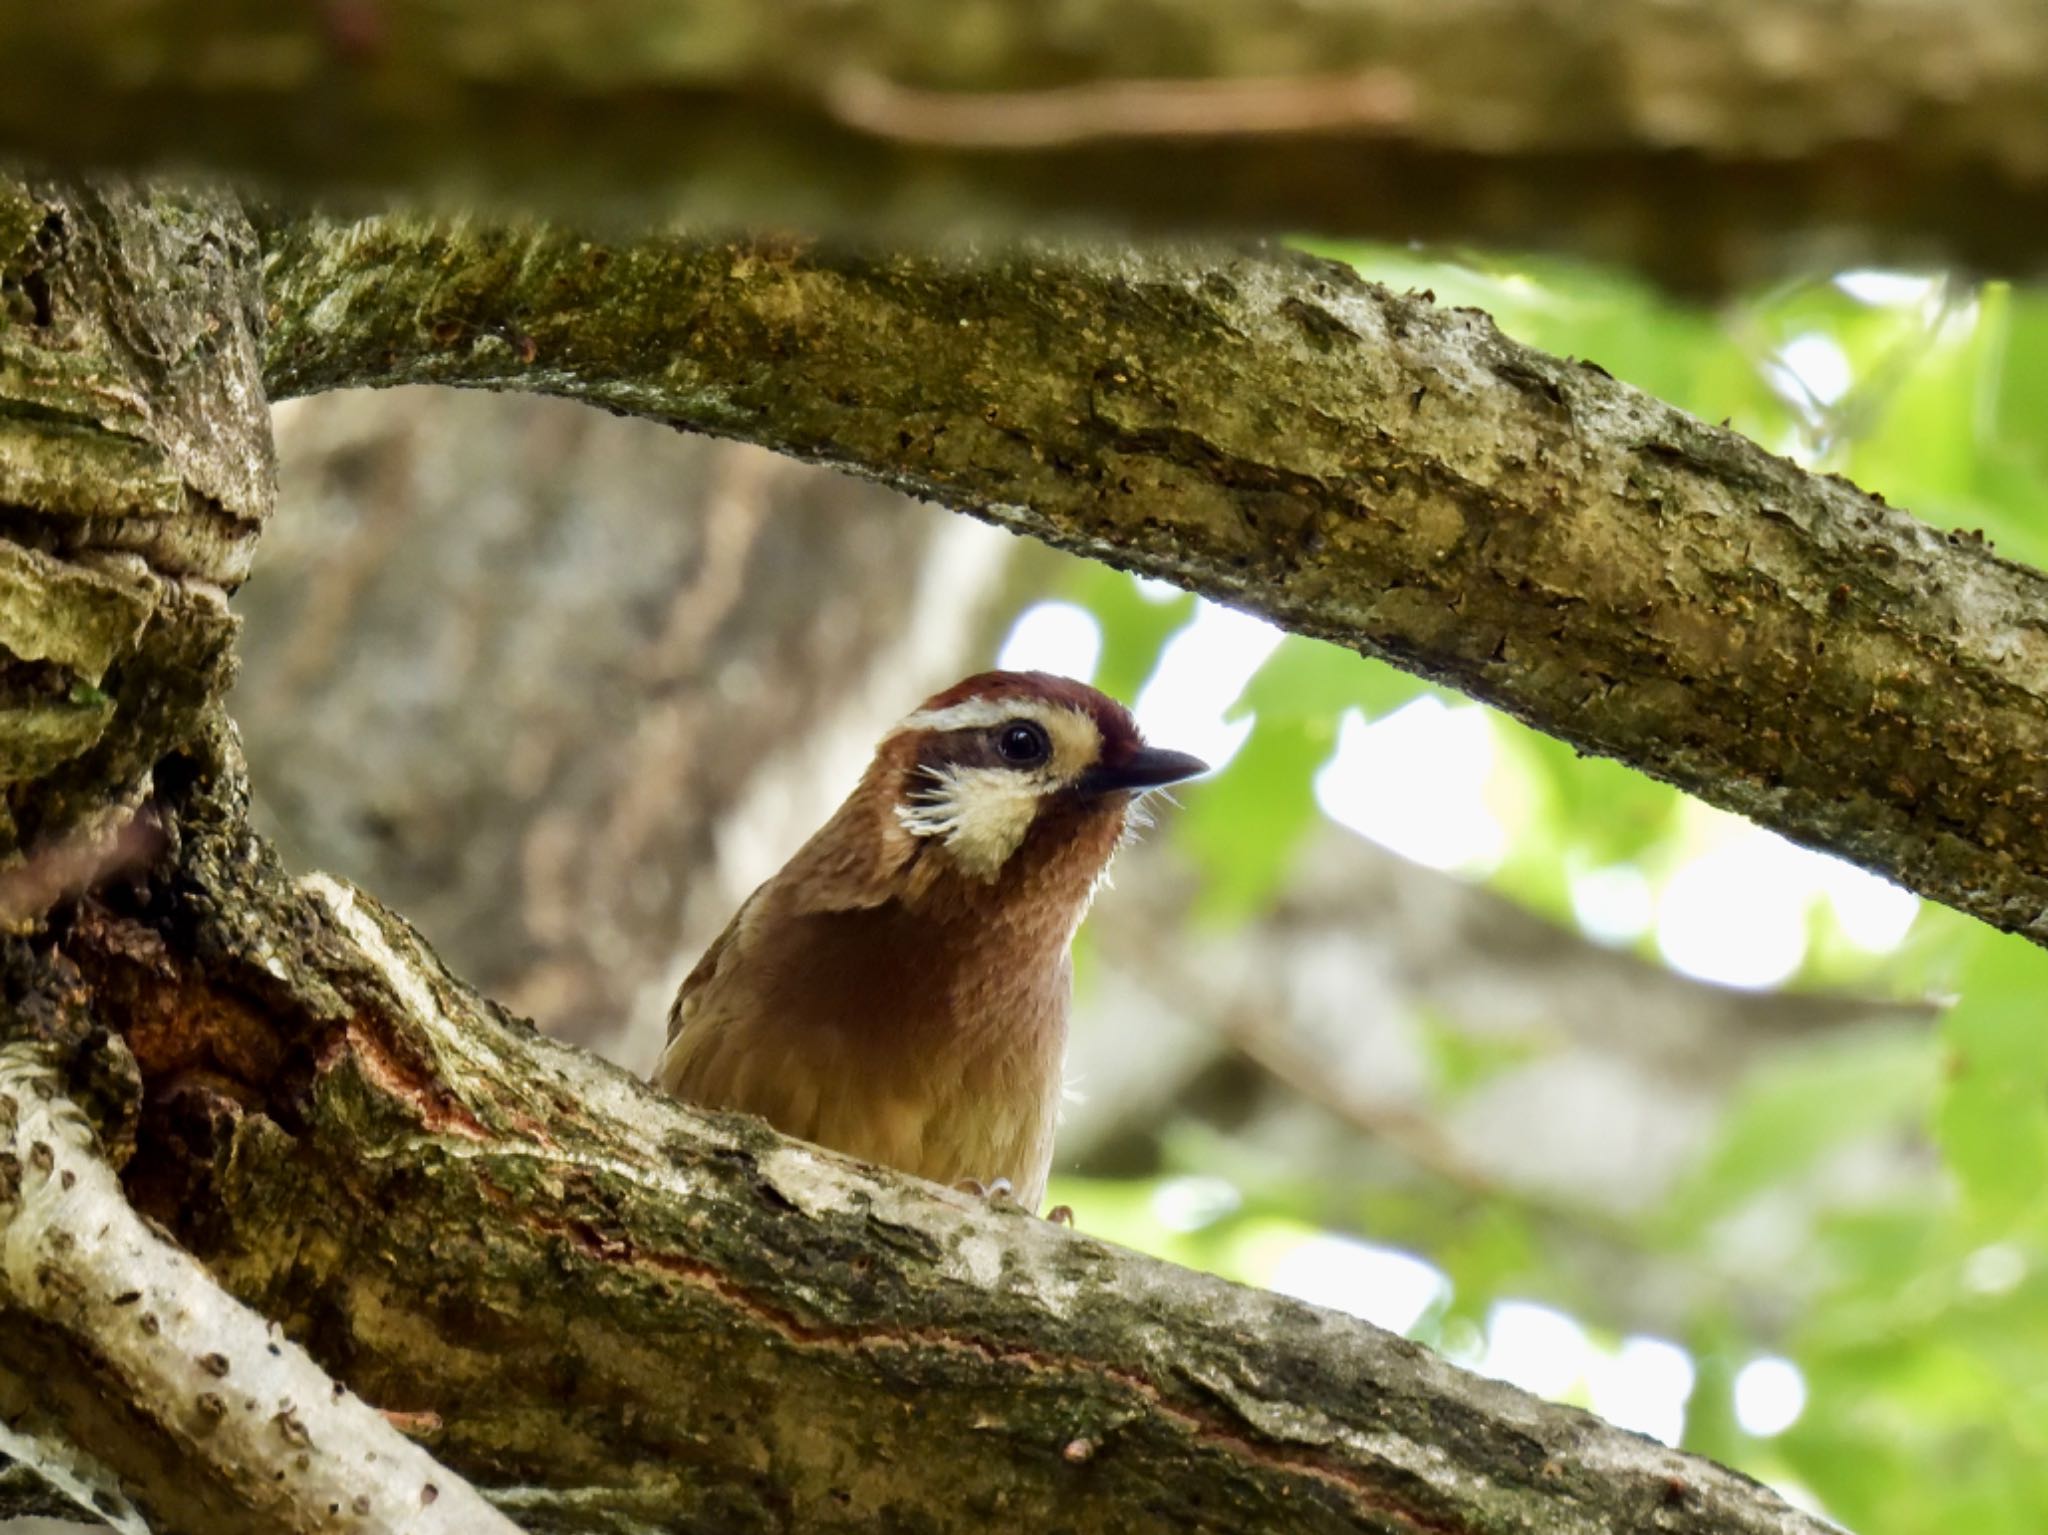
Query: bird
[[899, 990]]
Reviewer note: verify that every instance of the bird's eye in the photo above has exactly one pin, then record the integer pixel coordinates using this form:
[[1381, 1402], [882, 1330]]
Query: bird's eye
[[1023, 744]]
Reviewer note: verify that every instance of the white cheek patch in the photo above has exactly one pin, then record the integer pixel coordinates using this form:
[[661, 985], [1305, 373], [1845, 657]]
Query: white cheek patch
[[981, 813]]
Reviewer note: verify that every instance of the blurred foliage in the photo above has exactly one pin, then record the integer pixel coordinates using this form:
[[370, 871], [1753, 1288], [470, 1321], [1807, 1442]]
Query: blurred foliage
[[1296, 700], [1922, 1333]]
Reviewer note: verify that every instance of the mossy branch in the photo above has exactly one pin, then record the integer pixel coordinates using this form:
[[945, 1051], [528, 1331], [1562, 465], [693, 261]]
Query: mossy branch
[[1358, 465]]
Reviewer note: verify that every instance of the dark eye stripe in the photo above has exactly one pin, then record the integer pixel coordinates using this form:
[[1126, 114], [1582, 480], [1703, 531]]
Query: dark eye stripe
[[977, 747]]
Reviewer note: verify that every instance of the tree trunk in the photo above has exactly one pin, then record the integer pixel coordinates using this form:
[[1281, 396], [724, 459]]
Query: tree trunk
[[135, 469]]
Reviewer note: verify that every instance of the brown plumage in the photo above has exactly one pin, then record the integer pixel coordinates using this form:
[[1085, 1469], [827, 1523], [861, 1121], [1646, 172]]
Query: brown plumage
[[898, 991]]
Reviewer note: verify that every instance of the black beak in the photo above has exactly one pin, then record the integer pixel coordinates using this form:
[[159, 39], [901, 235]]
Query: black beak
[[1146, 768]]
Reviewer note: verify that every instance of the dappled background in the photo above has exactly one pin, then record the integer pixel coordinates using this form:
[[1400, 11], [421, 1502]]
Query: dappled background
[[1407, 1010]]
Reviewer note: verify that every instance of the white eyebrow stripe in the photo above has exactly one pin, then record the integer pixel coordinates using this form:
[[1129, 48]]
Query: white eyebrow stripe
[[977, 713], [968, 716]]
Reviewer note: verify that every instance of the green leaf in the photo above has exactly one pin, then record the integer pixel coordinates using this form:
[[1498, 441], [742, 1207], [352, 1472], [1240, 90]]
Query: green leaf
[[1245, 826], [1312, 681], [1460, 1060]]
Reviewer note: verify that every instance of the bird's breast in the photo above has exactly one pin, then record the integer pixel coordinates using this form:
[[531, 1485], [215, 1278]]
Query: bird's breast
[[860, 1031]]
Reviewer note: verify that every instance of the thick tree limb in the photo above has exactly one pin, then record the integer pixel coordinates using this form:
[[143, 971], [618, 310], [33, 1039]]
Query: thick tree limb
[[1357, 465], [1704, 141], [615, 1313], [121, 1342]]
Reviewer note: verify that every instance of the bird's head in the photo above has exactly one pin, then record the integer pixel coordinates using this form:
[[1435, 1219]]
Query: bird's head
[[1007, 760]]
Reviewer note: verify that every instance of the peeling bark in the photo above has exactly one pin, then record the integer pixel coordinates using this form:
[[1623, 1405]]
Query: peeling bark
[[1705, 142], [1357, 465], [116, 1340]]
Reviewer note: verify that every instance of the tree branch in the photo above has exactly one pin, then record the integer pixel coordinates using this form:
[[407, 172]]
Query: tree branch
[[1704, 143], [614, 1312], [129, 1349], [1357, 465]]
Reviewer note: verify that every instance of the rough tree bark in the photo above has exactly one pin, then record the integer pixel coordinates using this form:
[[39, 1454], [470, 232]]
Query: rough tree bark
[[607, 1311], [1358, 465], [1705, 142], [134, 477], [119, 1339]]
